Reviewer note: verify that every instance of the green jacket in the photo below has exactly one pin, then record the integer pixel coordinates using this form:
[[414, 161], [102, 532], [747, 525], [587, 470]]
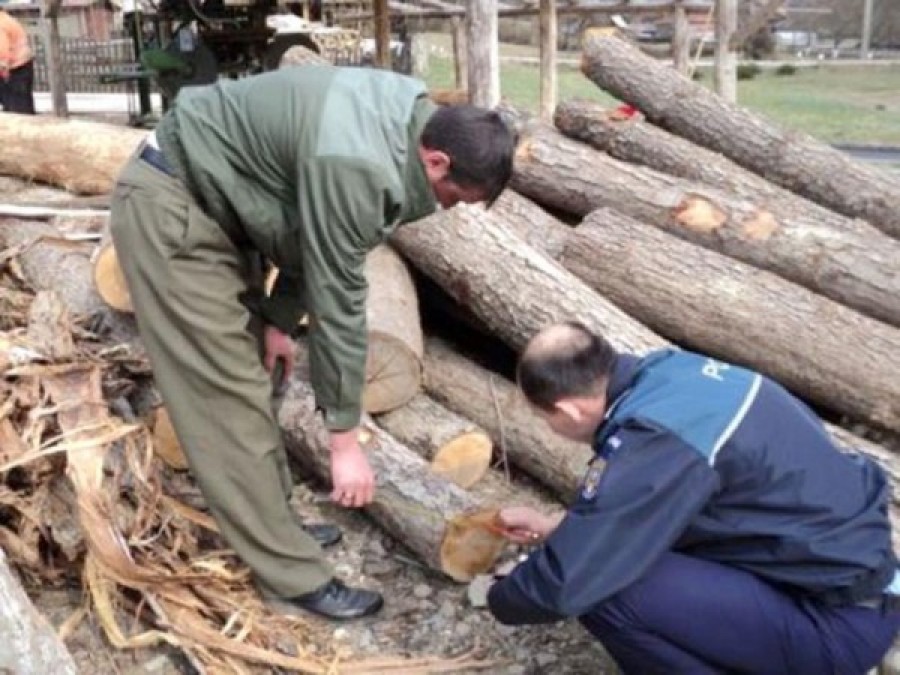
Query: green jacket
[[313, 166]]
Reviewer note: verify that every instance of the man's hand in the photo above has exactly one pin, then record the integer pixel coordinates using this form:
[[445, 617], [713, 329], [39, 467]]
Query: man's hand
[[525, 525], [278, 346], [351, 475]]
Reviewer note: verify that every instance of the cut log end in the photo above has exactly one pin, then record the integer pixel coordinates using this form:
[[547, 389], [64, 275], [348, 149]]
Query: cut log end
[[700, 215], [393, 374], [109, 280], [465, 459], [472, 544], [165, 442]]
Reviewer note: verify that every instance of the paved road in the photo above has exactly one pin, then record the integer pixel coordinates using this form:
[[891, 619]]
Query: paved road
[[877, 154]]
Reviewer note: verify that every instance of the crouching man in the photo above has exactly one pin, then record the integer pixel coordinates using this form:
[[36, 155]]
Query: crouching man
[[718, 528]]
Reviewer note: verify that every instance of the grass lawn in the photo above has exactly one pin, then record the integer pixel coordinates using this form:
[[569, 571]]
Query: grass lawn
[[838, 104]]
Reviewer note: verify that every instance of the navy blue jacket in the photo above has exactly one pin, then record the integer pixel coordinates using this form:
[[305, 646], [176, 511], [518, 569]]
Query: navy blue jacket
[[718, 462]]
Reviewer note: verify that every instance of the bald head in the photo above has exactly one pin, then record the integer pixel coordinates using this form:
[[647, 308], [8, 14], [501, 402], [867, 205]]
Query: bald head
[[563, 361]]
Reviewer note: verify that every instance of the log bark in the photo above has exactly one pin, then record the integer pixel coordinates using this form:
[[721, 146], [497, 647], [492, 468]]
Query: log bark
[[725, 55], [394, 362], [792, 159], [532, 223], [514, 288], [410, 503], [456, 448], [82, 157], [52, 263], [494, 403], [821, 350], [849, 261], [30, 645]]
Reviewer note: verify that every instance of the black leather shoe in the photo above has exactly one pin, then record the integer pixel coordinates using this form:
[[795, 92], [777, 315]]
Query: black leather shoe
[[334, 600], [325, 534]]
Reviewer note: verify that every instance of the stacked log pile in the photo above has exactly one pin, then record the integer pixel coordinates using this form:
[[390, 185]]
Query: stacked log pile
[[698, 225]]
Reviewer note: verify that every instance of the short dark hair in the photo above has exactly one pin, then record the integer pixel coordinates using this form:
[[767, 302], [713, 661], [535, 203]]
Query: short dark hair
[[564, 360], [480, 145]]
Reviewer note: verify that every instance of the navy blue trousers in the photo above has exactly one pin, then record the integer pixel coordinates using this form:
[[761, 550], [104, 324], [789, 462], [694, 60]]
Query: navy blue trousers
[[689, 617]]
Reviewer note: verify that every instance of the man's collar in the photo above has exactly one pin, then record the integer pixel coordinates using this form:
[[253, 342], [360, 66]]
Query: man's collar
[[623, 372]]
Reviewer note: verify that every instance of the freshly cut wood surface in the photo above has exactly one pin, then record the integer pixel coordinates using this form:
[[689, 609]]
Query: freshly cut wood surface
[[110, 281], [456, 448], [394, 362]]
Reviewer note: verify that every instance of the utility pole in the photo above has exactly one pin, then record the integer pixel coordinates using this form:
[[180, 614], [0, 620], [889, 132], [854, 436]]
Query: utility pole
[[726, 56], [865, 44]]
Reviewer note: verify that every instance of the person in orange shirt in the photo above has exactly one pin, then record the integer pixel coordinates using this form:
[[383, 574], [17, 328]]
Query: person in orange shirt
[[16, 67]]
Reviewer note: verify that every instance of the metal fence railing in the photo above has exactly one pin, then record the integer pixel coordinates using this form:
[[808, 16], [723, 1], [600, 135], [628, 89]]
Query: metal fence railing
[[84, 62]]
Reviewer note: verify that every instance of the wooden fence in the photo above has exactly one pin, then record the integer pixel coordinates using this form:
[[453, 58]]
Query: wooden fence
[[84, 62]]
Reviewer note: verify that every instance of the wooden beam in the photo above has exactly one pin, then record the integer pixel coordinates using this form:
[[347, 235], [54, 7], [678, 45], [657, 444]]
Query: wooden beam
[[382, 34], [866, 42], [506, 13], [460, 53], [484, 55], [548, 59], [49, 27], [726, 57], [681, 42]]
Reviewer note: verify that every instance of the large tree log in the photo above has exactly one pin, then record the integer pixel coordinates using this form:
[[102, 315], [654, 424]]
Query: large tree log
[[850, 262], [494, 404], [514, 288], [30, 645], [411, 503], [82, 157], [792, 159], [823, 351], [394, 362], [632, 139], [456, 448]]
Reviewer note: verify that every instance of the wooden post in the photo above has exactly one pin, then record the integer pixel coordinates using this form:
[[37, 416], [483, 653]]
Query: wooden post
[[726, 56], [548, 59], [681, 41], [484, 56], [53, 51], [460, 54], [866, 42], [382, 34]]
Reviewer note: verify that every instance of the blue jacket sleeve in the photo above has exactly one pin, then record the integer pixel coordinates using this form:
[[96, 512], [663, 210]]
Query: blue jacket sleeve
[[651, 489]]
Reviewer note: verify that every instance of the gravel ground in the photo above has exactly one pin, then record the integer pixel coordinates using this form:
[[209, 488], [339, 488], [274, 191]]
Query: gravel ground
[[425, 614]]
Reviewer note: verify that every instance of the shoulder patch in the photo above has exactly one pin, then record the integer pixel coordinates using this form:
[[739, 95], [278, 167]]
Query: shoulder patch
[[591, 482]]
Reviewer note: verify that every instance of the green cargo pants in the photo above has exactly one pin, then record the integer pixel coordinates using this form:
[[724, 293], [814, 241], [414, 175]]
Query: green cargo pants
[[185, 277]]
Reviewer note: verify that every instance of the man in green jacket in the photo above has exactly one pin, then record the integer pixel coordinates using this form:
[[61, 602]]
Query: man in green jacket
[[310, 168]]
